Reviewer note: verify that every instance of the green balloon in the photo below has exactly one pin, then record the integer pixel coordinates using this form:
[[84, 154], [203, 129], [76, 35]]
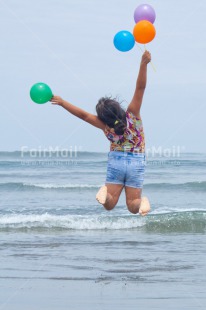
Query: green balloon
[[41, 93]]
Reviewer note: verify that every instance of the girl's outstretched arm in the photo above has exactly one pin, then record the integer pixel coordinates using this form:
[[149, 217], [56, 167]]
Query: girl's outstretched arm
[[85, 116], [136, 102]]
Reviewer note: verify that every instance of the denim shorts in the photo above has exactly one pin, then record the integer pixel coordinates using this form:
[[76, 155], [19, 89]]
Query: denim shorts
[[126, 168]]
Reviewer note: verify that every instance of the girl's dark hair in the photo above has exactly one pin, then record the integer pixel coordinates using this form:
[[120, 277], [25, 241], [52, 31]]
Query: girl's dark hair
[[111, 113]]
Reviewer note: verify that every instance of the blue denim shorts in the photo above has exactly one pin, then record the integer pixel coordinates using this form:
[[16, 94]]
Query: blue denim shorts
[[126, 168]]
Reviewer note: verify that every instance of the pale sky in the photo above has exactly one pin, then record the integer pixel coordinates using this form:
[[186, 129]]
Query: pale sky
[[68, 44]]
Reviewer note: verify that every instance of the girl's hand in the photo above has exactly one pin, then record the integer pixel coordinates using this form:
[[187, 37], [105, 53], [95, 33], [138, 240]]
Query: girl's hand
[[57, 100], [146, 57]]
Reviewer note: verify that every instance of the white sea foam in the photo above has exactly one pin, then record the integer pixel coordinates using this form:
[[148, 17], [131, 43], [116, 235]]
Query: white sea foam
[[51, 185], [76, 222], [166, 210]]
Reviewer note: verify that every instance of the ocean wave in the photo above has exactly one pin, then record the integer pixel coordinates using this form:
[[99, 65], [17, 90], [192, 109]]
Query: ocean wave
[[201, 185], [191, 186], [61, 186], [21, 185], [175, 222]]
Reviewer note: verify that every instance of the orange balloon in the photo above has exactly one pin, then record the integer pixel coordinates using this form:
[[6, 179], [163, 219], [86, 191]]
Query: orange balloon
[[144, 32]]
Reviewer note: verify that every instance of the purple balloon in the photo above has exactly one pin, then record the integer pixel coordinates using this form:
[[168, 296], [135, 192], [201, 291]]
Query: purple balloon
[[144, 12]]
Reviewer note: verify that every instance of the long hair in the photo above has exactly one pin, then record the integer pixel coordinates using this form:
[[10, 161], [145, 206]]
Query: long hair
[[112, 114]]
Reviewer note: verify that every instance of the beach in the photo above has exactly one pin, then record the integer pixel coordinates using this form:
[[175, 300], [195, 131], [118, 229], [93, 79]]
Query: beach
[[60, 249]]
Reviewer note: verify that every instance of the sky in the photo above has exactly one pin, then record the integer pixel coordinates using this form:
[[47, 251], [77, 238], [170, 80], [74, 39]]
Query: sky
[[68, 44]]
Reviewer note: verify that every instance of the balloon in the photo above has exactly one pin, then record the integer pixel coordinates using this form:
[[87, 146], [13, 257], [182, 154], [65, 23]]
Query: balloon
[[144, 32], [124, 41], [41, 93], [144, 12]]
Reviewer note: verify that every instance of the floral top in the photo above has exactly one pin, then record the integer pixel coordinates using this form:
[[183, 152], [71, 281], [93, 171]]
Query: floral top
[[133, 138]]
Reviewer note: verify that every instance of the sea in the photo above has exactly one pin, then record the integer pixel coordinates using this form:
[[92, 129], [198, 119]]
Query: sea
[[52, 228]]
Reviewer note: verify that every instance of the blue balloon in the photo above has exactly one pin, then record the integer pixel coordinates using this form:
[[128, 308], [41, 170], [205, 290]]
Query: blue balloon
[[124, 41]]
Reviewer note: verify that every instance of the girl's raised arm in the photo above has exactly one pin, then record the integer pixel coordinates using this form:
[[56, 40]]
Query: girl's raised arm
[[136, 102], [80, 113]]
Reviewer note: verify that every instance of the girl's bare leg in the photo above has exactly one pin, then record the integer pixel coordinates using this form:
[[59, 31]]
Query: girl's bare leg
[[135, 202], [144, 206], [108, 195]]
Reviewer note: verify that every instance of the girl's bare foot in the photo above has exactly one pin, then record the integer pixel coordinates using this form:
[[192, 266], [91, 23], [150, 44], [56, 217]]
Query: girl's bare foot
[[101, 196], [144, 206]]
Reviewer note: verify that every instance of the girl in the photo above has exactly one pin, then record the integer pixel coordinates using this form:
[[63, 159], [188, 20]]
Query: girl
[[126, 159]]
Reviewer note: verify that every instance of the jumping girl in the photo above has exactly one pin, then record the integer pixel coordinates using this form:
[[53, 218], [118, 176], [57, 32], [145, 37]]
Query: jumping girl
[[124, 130]]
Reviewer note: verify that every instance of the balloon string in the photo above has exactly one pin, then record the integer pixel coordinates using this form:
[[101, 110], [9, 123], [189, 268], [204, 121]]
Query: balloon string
[[153, 67], [140, 48]]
